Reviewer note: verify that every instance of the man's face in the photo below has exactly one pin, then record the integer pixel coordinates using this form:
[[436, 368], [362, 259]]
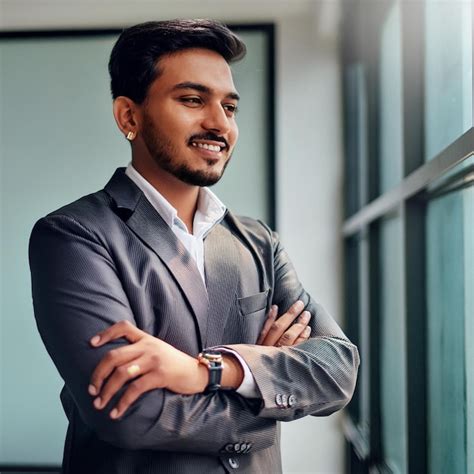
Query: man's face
[[188, 118]]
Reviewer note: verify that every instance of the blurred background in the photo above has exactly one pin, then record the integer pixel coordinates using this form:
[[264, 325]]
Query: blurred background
[[356, 143]]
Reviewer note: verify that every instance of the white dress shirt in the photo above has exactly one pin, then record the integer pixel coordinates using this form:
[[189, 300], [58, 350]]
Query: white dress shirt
[[210, 211]]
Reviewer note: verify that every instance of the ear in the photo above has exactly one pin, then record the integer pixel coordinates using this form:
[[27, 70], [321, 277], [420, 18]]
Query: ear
[[126, 114]]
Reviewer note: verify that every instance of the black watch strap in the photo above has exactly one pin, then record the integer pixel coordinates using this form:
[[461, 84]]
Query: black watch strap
[[213, 360]]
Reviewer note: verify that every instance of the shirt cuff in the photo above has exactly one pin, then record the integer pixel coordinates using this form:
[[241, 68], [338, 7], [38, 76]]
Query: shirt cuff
[[248, 387]]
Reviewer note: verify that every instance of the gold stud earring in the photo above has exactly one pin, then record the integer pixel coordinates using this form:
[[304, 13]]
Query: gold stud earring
[[130, 136]]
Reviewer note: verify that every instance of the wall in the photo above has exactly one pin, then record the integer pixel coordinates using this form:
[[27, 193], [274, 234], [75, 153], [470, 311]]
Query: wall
[[309, 206], [308, 152]]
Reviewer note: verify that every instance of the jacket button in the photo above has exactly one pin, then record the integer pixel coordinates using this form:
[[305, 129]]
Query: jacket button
[[249, 447], [291, 400], [284, 401], [236, 448], [233, 463], [229, 448], [278, 400]]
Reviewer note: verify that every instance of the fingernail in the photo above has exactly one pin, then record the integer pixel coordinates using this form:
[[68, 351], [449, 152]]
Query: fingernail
[[92, 390], [95, 340], [274, 307], [305, 316], [307, 330], [299, 305], [97, 402], [114, 413]]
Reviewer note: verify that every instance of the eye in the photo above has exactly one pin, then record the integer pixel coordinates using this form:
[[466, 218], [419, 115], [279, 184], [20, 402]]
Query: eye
[[193, 101], [232, 109]]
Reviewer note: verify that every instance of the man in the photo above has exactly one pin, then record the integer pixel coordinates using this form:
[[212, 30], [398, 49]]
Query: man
[[132, 283]]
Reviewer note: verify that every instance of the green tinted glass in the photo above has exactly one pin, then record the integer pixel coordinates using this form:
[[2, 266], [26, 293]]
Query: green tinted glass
[[448, 73], [60, 142], [391, 101], [450, 289], [393, 345]]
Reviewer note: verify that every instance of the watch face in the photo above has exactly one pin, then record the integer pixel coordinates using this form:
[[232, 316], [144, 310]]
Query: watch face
[[212, 356]]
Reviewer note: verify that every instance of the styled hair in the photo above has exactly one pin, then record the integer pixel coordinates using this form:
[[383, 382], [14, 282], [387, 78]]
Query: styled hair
[[133, 63]]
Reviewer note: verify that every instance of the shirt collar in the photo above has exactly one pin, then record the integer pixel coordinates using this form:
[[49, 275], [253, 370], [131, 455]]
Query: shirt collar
[[210, 209]]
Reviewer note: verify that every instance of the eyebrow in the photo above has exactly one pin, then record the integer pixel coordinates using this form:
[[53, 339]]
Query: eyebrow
[[202, 88]]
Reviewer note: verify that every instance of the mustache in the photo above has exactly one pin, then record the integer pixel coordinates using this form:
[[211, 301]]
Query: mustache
[[209, 136]]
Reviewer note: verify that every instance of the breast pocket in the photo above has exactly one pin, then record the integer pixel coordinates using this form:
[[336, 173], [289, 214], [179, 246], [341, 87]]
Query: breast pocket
[[253, 310], [249, 305]]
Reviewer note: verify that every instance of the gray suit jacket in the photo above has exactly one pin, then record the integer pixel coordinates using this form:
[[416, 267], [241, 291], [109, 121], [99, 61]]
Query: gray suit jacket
[[108, 257]]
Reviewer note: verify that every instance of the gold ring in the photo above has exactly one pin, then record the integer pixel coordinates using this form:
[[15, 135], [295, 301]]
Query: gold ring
[[133, 369]]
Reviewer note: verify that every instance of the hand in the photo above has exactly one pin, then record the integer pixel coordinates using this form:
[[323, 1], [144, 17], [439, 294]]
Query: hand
[[282, 331], [148, 361]]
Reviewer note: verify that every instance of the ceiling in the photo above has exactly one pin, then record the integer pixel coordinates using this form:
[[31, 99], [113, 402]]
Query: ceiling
[[61, 14]]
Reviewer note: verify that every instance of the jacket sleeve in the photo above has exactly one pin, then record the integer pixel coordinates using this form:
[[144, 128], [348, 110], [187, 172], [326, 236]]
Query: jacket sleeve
[[77, 293], [316, 377]]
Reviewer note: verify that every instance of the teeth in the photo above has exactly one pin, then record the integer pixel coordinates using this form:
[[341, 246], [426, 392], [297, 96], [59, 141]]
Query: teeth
[[207, 146]]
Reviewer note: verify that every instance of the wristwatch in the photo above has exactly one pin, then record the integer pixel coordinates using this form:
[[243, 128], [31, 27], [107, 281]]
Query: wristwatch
[[214, 362]]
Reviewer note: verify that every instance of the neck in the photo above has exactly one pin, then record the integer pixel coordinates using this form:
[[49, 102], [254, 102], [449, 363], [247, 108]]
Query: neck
[[182, 196]]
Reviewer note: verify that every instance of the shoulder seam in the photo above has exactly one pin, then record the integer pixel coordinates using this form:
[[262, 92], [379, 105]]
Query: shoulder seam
[[69, 218]]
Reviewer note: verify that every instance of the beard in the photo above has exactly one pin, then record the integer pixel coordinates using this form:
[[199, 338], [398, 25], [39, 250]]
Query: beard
[[164, 154]]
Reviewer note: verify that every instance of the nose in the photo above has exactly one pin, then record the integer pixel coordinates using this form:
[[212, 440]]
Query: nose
[[216, 120]]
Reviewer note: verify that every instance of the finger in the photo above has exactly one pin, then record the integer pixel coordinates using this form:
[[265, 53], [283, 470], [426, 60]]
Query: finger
[[137, 388], [271, 316], [118, 379], [283, 323], [304, 336], [291, 335], [121, 329], [114, 358]]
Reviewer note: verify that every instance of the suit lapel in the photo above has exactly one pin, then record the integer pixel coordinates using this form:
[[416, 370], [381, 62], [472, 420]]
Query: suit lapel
[[149, 226], [238, 228], [221, 264]]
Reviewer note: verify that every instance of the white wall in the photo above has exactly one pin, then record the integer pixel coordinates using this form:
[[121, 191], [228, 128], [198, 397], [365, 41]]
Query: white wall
[[309, 150], [310, 206]]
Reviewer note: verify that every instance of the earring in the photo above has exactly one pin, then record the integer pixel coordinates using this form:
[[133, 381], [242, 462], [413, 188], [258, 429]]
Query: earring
[[130, 136]]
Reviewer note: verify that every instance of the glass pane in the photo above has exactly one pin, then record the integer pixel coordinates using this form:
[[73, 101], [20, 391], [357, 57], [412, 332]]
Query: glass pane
[[391, 101], [448, 73], [364, 330], [73, 147], [351, 302], [450, 291], [469, 319], [393, 345], [356, 140]]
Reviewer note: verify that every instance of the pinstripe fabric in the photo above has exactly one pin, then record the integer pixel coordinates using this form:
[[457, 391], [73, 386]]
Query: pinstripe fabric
[[109, 256]]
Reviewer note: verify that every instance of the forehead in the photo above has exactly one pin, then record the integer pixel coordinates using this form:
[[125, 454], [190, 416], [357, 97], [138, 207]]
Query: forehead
[[200, 66]]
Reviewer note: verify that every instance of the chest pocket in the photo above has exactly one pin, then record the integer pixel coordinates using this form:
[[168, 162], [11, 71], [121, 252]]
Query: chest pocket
[[253, 310], [253, 304]]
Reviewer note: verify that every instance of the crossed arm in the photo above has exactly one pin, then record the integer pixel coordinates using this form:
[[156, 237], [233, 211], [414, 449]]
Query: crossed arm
[[150, 363]]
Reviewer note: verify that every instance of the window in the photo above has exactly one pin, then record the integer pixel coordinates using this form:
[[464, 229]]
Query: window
[[68, 146], [409, 246]]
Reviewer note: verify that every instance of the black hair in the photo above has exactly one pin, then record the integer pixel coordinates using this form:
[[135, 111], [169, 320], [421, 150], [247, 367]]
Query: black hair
[[133, 63]]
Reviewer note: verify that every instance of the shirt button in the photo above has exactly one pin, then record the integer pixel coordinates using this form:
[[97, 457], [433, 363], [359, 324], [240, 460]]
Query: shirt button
[[291, 400], [284, 401], [278, 400], [233, 463]]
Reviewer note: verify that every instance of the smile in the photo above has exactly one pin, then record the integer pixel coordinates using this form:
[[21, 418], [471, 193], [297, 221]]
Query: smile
[[214, 147]]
